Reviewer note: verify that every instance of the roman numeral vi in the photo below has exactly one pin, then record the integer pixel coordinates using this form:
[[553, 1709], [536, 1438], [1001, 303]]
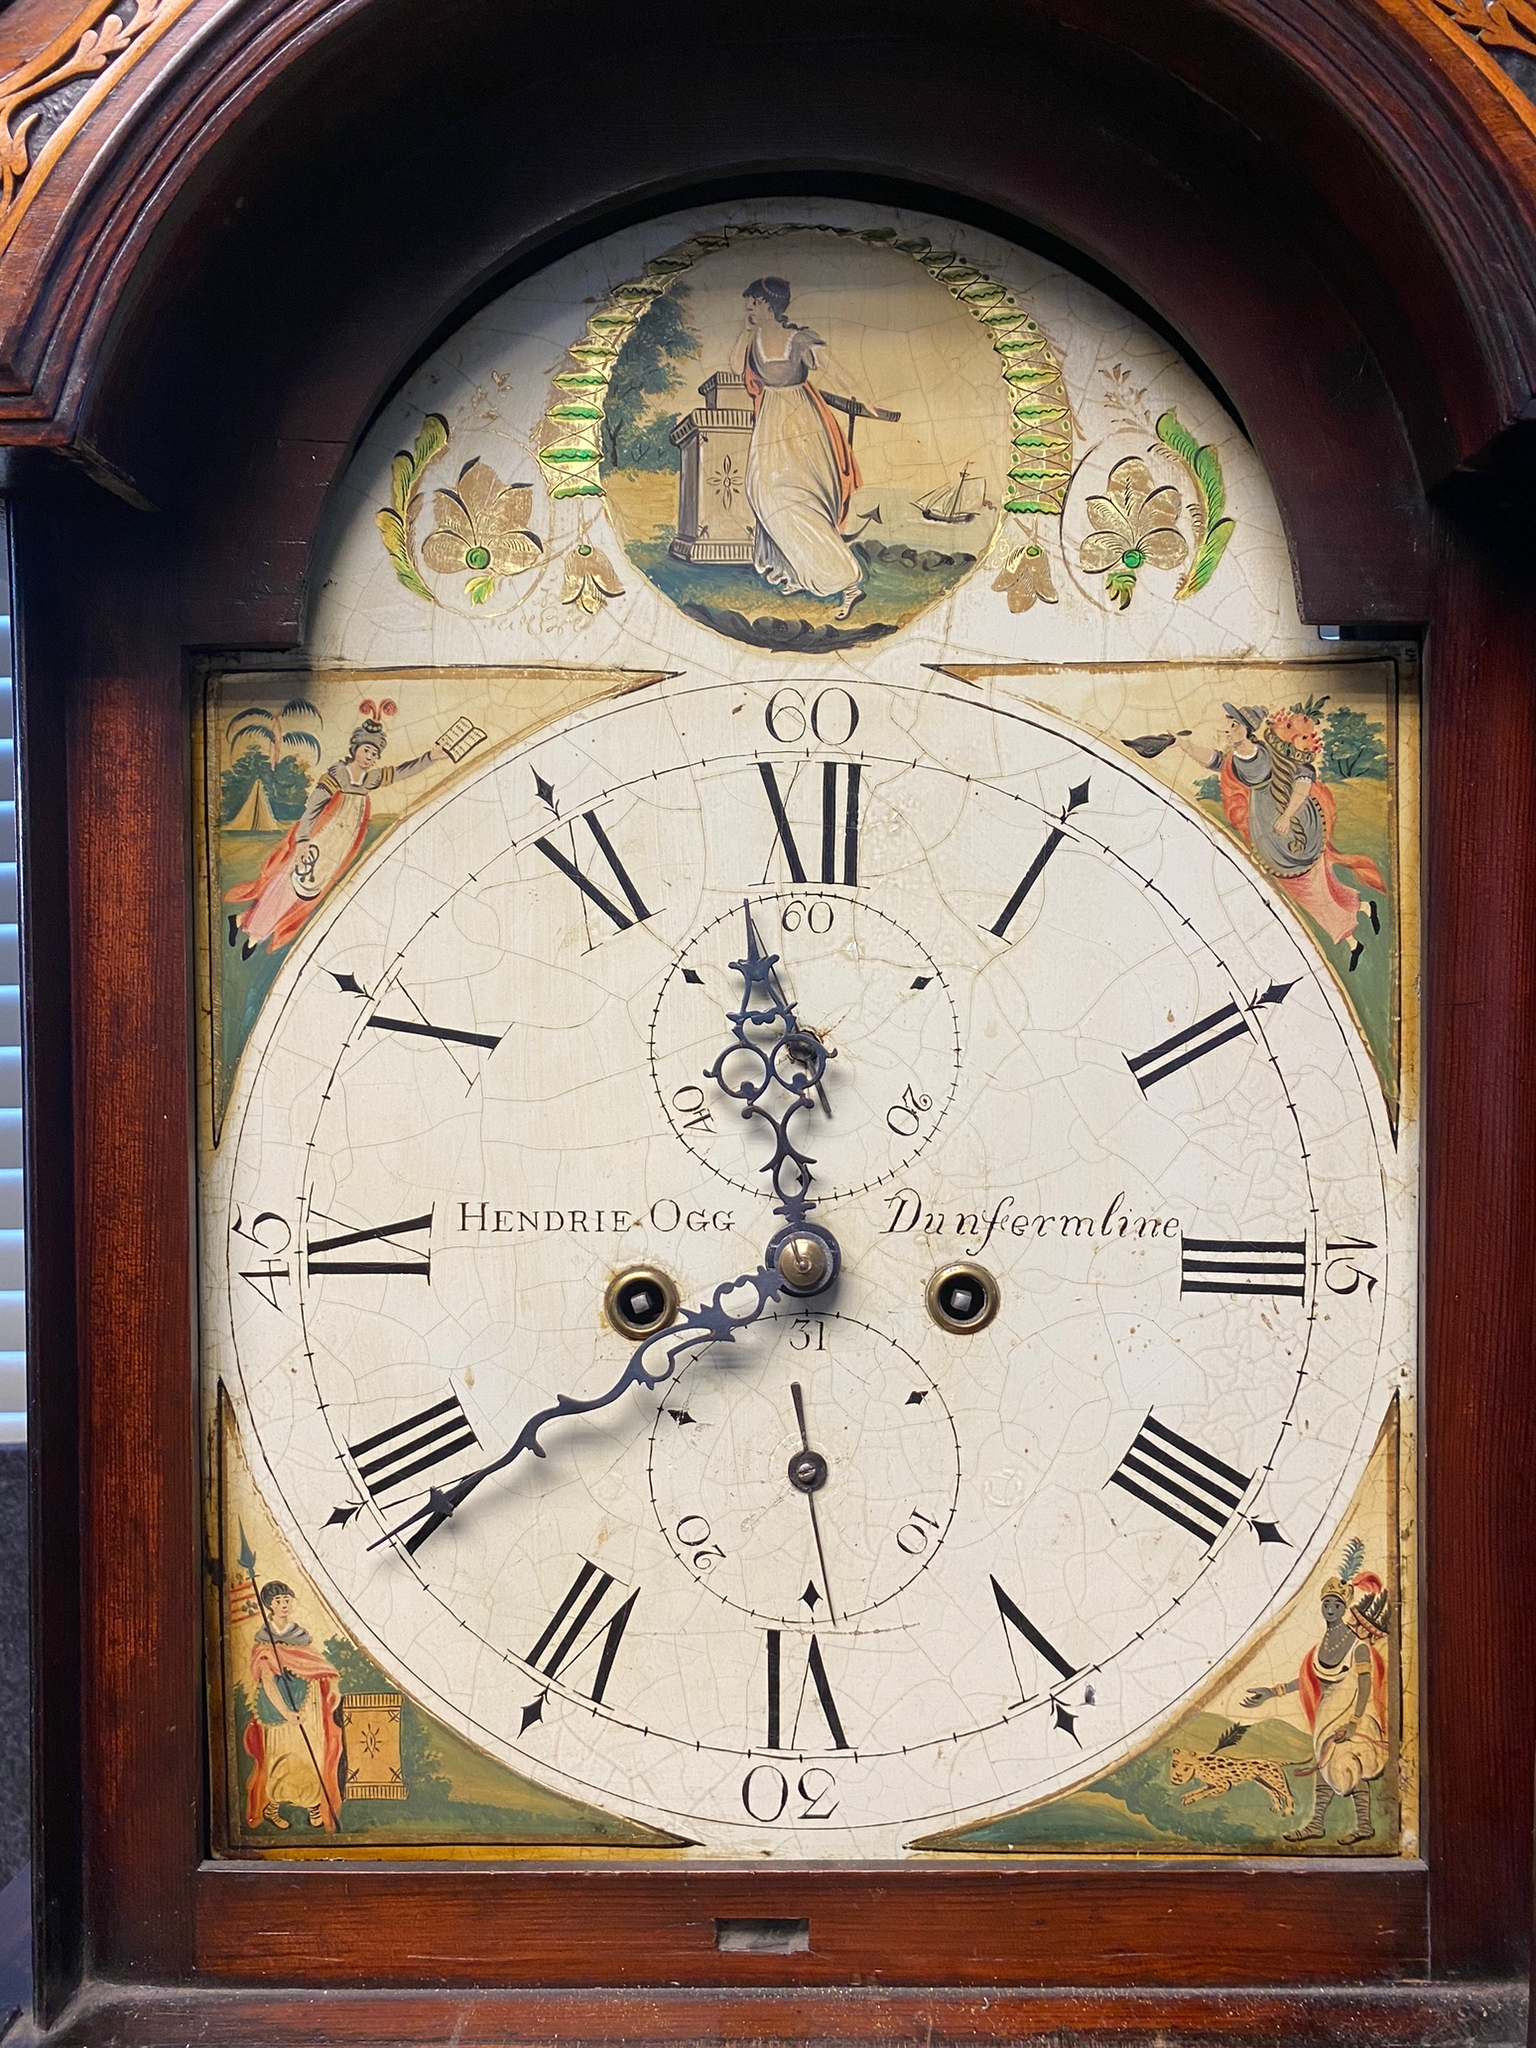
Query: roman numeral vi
[[814, 1675]]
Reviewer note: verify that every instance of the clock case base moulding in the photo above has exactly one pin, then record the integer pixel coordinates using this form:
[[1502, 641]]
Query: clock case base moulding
[[1471, 2015]]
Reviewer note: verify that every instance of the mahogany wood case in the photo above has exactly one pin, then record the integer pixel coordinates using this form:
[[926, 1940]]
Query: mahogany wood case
[[227, 269]]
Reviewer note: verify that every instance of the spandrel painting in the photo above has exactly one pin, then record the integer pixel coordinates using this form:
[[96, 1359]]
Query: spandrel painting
[[808, 1099]]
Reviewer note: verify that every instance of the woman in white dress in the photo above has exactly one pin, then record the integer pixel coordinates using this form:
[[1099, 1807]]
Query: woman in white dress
[[801, 475]]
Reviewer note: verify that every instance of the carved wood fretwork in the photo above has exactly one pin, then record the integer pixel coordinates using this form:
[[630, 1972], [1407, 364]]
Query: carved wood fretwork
[[1482, 27], [45, 101]]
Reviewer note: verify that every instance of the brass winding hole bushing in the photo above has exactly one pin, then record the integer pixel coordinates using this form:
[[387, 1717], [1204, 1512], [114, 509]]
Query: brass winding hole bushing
[[963, 1298], [639, 1300]]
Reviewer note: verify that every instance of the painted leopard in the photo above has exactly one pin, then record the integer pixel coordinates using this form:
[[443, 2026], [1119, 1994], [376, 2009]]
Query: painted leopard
[[1225, 1773]]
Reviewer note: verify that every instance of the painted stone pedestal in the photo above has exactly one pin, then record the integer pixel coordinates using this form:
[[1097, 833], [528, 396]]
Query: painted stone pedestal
[[714, 520]]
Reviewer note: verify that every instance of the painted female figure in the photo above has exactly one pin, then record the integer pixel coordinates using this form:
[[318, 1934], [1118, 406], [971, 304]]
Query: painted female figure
[[293, 1738], [801, 475], [316, 852], [1273, 797], [1343, 1689]]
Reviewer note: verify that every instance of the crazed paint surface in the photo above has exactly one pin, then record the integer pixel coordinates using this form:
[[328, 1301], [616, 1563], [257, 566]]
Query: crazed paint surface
[[1090, 1014]]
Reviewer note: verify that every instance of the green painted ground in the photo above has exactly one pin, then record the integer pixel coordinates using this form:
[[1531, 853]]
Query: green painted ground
[[1137, 1806], [455, 1792]]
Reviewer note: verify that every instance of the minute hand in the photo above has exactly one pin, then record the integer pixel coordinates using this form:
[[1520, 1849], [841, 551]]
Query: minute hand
[[709, 1323]]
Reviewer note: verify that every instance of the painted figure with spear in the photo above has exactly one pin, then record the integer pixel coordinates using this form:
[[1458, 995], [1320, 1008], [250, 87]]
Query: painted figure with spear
[[294, 1734]]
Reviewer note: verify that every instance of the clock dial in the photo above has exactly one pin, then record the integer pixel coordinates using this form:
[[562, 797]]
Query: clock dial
[[814, 1575]]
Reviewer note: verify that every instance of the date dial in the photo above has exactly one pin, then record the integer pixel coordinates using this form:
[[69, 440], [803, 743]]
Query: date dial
[[866, 987], [808, 1472]]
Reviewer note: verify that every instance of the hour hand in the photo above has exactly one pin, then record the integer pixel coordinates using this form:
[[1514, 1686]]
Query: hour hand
[[795, 1062]]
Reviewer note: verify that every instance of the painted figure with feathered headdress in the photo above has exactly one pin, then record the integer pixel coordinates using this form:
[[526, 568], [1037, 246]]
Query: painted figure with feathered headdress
[[1342, 1686]]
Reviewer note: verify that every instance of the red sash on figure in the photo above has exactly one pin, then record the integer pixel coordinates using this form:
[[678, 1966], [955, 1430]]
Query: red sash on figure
[[1310, 1686], [296, 1662], [848, 477], [277, 867]]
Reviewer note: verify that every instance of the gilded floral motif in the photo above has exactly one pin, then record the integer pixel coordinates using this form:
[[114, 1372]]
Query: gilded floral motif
[[1026, 576], [482, 526], [1135, 524], [590, 579]]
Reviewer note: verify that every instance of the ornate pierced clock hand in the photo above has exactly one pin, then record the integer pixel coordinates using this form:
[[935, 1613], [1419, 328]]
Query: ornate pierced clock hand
[[807, 1475], [796, 1060], [709, 1323]]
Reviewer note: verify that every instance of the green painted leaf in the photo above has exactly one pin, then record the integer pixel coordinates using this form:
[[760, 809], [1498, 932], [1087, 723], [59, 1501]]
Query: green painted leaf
[[431, 441], [567, 452], [1121, 585], [479, 588], [582, 380], [392, 530], [1211, 550], [1173, 434], [586, 488], [1208, 470], [1023, 504], [575, 412]]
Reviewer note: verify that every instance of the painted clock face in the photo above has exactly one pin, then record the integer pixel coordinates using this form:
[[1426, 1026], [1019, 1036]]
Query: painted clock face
[[1066, 1034]]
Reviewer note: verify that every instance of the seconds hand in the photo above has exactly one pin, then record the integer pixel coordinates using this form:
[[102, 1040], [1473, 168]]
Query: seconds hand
[[807, 1475]]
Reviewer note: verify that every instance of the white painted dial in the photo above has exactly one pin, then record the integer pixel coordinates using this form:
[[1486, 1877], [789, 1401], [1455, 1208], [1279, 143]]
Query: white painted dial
[[1076, 1038]]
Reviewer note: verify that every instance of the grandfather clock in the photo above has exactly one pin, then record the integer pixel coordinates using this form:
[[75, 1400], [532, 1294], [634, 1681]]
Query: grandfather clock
[[778, 967]]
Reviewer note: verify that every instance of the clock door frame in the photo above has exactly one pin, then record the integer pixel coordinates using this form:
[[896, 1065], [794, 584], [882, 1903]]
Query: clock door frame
[[285, 206]]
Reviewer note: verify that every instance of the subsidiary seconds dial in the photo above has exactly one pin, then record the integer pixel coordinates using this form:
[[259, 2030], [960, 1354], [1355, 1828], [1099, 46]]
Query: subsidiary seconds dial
[[883, 1477]]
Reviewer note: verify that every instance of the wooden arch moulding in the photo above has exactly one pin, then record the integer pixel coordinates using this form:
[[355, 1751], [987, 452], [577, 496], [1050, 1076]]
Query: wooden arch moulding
[[236, 237]]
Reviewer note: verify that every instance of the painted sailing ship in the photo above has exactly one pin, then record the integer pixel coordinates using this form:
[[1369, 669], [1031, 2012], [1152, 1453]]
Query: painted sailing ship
[[955, 504]]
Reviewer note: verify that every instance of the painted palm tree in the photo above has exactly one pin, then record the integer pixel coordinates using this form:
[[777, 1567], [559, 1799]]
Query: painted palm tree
[[289, 729]]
